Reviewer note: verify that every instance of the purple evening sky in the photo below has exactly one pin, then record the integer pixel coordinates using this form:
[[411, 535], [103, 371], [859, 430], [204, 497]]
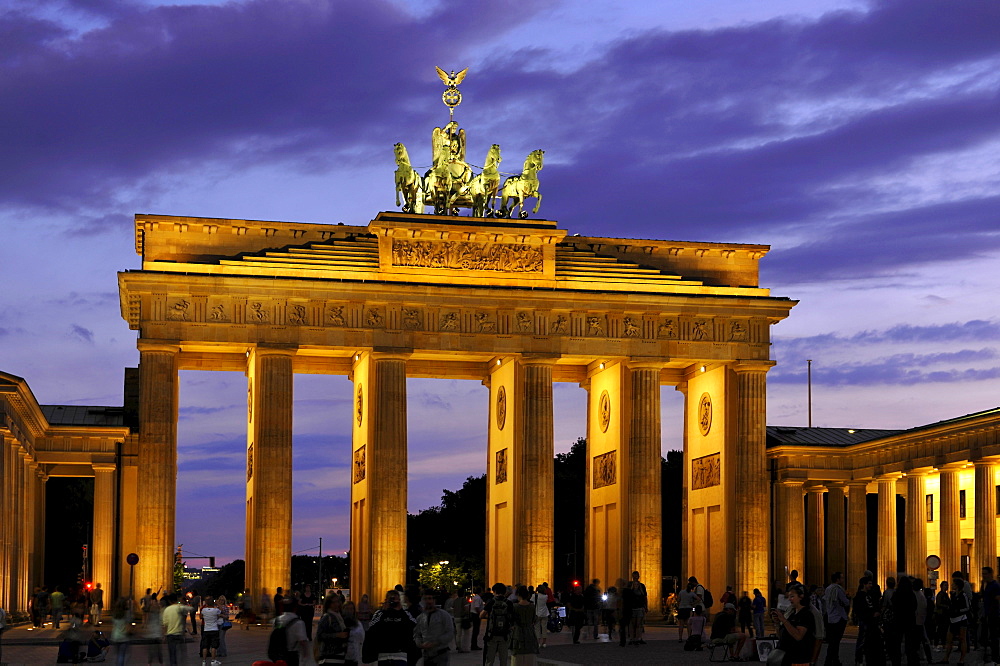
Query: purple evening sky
[[858, 139]]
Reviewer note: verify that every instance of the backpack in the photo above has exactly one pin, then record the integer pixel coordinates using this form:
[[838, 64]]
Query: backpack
[[277, 644], [692, 643], [707, 598], [498, 623]]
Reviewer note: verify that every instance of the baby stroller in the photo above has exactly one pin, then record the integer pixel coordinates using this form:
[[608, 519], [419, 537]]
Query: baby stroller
[[555, 623]]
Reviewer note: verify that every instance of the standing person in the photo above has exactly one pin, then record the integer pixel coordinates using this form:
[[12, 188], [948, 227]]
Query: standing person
[[744, 609], [174, 621], [608, 610], [499, 615], [211, 619], [332, 633], [152, 632], [920, 630], [307, 609], [592, 605], [639, 610], [759, 605], [195, 600], [246, 609], [798, 630], [121, 621], [144, 603], [958, 619], [279, 602], [577, 615], [266, 606], [475, 608], [356, 634], [837, 606], [541, 600], [296, 643], [904, 612], [365, 611], [41, 607], [942, 615], [687, 600], [991, 614], [433, 633], [524, 643], [793, 580], [728, 597], [56, 600], [626, 602], [224, 625], [390, 635], [96, 604], [890, 629], [868, 612]]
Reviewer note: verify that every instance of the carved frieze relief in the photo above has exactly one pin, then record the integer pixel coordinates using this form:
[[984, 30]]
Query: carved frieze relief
[[412, 319], [667, 329], [500, 472], [297, 315], [375, 318], [449, 321], [604, 411], [359, 465], [179, 311], [486, 325], [467, 255], [706, 472], [605, 469], [335, 316], [218, 313], [249, 462], [595, 325], [705, 414], [524, 324], [632, 327], [257, 313], [501, 408]]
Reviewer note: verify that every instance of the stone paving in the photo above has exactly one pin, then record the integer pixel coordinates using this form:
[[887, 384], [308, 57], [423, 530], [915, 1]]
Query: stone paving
[[23, 647]]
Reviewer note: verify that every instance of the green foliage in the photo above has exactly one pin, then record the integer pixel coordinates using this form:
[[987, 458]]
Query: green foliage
[[178, 575], [454, 531], [443, 576], [229, 580]]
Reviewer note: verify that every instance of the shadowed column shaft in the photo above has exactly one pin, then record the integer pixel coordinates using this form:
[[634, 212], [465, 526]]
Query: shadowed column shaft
[[857, 528], [387, 480], [951, 537], [535, 546], [815, 537], [795, 555], [752, 511], [916, 526], [103, 542], [836, 532], [986, 513], [644, 527], [888, 560], [157, 468]]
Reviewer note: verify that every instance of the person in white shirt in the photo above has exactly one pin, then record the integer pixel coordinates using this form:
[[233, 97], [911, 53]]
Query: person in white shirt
[[211, 618]]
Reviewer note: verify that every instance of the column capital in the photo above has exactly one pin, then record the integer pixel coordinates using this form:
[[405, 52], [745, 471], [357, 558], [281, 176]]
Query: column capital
[[858, 483], [541, 359], [792, 483], [889, 476], [836, 485], [103, 467], [985, 462], [386, 354], [752, 366], [272, 350], [165, 346], [816, 488], [646, 364], [918, 472], [952, 466]]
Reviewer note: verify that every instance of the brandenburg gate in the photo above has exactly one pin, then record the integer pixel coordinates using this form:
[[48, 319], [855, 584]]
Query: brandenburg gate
[[515, 303]]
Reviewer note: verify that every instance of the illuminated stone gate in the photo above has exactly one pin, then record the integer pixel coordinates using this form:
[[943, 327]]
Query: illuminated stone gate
[[517, 304]]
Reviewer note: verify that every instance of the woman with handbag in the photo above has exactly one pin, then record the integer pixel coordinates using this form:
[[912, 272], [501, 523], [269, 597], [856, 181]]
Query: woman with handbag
[[798, 631], [224, 625], [523, 641]]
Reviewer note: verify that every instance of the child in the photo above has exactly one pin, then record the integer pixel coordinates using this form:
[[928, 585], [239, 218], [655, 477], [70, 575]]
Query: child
[[696, 630]]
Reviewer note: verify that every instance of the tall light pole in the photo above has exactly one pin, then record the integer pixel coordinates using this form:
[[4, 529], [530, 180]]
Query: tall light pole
[[809, 389]]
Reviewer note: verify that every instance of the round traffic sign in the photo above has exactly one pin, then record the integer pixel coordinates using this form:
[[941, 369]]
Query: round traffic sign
[[132, 559], [933, 562]]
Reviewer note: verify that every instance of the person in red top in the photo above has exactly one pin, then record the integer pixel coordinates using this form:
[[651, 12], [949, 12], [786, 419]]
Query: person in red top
[[728, 597]]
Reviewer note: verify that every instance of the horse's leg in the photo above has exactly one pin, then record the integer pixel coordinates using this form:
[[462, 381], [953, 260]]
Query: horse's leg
[[538, 203]]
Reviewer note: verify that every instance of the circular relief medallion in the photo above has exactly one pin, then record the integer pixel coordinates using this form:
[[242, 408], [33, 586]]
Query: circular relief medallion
[[501, 408], [604, 409], [705, 413], [360, 403]]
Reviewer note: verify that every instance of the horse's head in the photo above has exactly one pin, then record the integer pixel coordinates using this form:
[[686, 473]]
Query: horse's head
[[402, 157], [537, 157], [493, 156]]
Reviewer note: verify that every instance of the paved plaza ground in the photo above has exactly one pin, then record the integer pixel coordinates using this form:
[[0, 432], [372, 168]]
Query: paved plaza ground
[[21, 647]]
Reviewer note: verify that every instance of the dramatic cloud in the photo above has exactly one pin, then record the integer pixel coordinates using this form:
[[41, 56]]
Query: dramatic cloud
[[82, 334]]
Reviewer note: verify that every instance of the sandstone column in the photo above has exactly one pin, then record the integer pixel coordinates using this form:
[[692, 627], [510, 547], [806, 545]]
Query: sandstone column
[[103, 542], [269, 470], [949, 549], [888, 542], [986, 513], [815, 536], [752, 510], [857, 527], [793, 515], [535, 548], [836, 531], [644, 527], [157, 466], [916, 525]]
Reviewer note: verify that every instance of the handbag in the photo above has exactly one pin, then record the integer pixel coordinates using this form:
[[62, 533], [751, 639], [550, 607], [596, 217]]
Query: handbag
[[226, 624], [776, 657]]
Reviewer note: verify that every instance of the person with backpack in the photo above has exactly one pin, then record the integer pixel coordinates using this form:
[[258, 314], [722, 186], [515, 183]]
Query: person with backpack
[[288, 641], [331, 634], [433, 633], [499, 615], [541, 600]]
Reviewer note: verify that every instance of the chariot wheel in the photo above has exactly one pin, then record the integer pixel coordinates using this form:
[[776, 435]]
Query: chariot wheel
[[454, 211], [406, 208], [524, 215]]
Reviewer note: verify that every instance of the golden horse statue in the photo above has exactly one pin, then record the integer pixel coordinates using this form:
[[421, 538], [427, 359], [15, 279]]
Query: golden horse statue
[[446, 182], [519, 188], [408, 182], [482, 189]]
